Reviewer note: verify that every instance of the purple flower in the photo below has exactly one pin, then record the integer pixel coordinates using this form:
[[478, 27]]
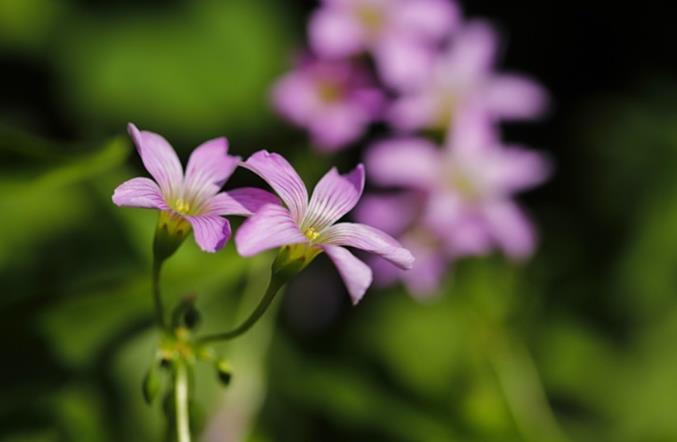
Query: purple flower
[[465, 197], [334, 101], [311, 225], [192, 198], [401, 34], [464, 78]]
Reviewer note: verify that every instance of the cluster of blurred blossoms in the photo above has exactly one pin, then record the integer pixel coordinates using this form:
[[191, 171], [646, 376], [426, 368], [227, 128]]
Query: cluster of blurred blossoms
[[427, 78]]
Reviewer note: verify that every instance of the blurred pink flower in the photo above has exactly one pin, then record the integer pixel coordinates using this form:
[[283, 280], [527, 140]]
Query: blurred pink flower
[[401, 34], [192, 197], [464, 78], [335, 101], [397, 214], [464, 200], [312, 224]]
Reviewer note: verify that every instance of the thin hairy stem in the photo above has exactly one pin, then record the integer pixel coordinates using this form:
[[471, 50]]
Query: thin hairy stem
[[181, 401], [273, 287]]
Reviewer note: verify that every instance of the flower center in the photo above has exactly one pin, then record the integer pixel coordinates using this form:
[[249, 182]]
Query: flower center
[[311, 233], [463, 183], [371, 17], [329, 92], [182, 206]]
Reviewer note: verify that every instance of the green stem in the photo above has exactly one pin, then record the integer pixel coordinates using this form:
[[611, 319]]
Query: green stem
[[157, 297], [276, 282], [181, 401], [524, 393]]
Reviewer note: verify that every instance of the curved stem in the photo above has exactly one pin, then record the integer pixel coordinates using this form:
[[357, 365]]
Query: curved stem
[[274, 286], [157, 297], [524, 393], [181, 402]]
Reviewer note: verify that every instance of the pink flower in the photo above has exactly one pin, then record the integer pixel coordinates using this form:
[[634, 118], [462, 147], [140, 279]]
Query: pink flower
[[464, 78], [402, 34], [465, 197], [335, 101], [311, 226], [192, 198]]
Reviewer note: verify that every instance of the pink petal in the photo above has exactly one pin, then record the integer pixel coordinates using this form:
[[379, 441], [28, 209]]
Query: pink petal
[[473, 52], [519, 169], [334, 32], [370, 239], [336, 126], [429, 269], [356, 275], [472, 131], [270, 227], [511, 229], [411, 162], [515, 97], [423, 279], [160, 160], [390, 213], [334, 196], [404, 63], [282, 177], [295, 97], [433, 20], [244, 201], [209, 166], [414, 111], [139, 192], [211, 232]]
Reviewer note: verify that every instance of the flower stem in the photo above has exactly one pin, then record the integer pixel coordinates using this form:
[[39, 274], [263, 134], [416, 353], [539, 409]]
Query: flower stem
[[181, 401], [524, 393], [276, 282], [157, 297]]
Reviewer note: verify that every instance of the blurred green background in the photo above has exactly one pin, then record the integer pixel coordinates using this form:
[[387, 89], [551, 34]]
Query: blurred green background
[[575, 345]]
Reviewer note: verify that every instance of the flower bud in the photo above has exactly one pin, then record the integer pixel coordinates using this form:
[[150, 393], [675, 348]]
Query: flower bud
[[224, 371], [151, 385]]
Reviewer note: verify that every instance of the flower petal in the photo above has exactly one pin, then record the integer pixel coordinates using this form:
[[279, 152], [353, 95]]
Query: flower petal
[[429, 19], [390, 213], [334, 32], [370, 239], [139, 192], [334, 127], [282, 177], [515, 97], [334, 196], [244, 201], [272, 226], [209, 166], [356, 275], [425, 277], [473, 130], [473, 52], [518, 169], [511, 229], [415, 111], [211, 232], [404, 63], [159, 159], [411, 162]]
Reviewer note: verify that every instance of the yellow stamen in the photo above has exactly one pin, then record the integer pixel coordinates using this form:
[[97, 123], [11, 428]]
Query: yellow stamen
[[371, 17], [311, 233], [182, 206]]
